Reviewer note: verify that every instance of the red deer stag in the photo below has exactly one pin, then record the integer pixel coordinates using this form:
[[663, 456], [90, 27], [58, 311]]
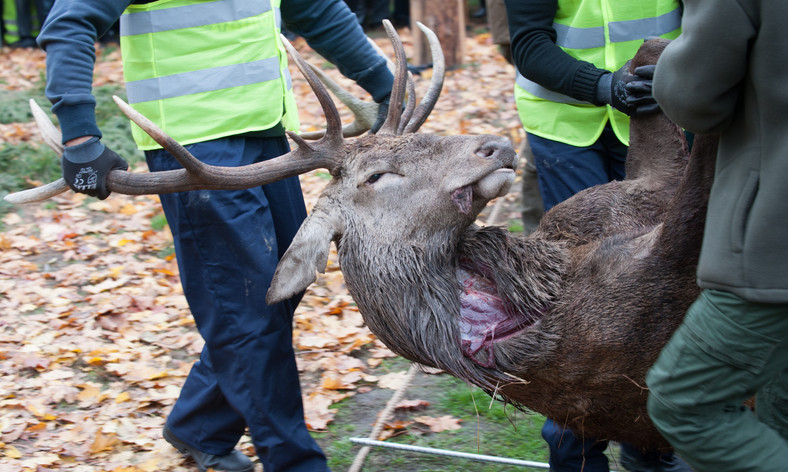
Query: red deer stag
[[564, 322]]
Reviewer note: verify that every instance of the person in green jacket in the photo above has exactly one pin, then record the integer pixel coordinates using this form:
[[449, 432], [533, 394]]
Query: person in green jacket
[[722, 76]]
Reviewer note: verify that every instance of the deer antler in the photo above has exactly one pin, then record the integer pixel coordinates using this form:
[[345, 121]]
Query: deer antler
[[52, 138], [195, 174], [402, 79], [324, 153], [365, 112]]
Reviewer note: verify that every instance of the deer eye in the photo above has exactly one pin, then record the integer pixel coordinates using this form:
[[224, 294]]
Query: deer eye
[[373, 178]]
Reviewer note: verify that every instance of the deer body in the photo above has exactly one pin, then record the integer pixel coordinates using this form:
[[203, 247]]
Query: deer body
[[566, 321]]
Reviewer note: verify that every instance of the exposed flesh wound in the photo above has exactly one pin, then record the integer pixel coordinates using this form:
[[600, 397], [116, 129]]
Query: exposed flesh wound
[[483, 317]]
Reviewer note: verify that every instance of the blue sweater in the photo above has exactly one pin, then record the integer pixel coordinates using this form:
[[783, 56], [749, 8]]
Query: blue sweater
[[73, 26]]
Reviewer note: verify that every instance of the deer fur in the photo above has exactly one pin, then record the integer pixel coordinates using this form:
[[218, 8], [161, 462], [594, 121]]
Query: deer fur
[[564, 322]]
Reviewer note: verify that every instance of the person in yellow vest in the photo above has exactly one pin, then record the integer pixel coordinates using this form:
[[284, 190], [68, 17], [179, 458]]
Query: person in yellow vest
[[9, 29], [30, 15], [531, 206], [573, 95], [213, 75]]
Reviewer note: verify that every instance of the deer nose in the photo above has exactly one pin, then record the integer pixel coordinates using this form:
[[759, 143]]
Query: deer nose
[[497, 148]]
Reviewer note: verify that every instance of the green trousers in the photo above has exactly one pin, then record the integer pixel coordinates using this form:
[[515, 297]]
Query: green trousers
[[726, 351]]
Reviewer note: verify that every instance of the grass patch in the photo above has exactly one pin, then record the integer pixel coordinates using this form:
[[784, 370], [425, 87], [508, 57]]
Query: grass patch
[[487, 428], [158, 222]]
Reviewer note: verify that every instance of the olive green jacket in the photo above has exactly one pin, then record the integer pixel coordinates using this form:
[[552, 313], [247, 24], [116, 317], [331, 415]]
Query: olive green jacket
[[727, 74]]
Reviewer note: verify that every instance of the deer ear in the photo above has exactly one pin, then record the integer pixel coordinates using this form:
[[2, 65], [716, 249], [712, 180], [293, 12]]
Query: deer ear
[[307, 255]]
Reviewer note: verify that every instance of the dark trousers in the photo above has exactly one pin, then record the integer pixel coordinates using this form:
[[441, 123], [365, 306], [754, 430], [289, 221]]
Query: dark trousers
[[572, 453], [24, 15], [228, 244], [564, 170]]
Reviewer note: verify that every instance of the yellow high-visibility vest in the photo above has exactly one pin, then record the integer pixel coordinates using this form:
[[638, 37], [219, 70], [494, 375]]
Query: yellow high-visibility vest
[[203, 70], [11, 34], [606, 33]]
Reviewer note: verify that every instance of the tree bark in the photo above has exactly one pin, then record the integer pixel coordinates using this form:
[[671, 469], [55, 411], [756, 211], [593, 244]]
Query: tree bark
[[447, 19]]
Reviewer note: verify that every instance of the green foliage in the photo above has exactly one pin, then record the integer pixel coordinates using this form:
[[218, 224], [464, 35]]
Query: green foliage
[[16, 105], [24, 162], [515, 225], [158, 222]]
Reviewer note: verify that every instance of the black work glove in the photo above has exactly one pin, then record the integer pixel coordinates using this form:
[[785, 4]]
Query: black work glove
[[639, 93], [87, 165], [383, 111], [614, 89]]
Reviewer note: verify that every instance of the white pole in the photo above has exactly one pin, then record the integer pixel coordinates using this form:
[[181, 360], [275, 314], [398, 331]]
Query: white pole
[[443, 452]]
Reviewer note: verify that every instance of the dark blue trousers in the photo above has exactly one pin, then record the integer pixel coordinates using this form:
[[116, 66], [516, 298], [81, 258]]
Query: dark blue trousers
[[571, 453], [228, 244], [563, 169]]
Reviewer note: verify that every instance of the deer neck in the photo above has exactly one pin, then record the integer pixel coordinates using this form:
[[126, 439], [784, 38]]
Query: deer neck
[[447, 302]]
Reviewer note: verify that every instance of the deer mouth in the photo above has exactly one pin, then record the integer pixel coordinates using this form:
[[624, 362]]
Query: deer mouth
[[492, 185]]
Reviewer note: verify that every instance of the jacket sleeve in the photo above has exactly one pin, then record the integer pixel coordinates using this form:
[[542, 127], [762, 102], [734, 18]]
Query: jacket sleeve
[[332, 30], [538, 58], [69, 36], [698, 78]]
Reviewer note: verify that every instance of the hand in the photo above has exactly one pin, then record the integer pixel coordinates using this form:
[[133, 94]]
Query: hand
[[87, 165], [628, 93], [639, 91], [383, 111]]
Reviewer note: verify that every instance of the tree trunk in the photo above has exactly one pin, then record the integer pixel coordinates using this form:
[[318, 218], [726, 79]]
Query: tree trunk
[[447, 19]]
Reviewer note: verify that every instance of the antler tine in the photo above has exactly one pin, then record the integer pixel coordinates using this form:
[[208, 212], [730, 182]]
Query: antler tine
[[49, 132], [333, 123], [392, 67], [409, 106], [364, 112], [38, 194], [52, 138], [400, 78], [184, 157], [436, 84]]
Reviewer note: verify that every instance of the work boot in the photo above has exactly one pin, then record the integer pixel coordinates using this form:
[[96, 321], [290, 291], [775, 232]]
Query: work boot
[[636, 461], [235, 461]]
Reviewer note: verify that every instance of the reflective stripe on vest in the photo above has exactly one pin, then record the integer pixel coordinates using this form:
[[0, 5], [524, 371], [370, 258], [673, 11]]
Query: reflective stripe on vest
[[247, 86], [620, 31], [607, 36], [11, 33]]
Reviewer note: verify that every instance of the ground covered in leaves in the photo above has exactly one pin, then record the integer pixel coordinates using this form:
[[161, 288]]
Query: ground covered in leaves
[[96, 337]]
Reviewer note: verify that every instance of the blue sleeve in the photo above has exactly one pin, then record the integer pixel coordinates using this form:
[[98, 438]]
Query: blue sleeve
[[69, 36], [332, 30]]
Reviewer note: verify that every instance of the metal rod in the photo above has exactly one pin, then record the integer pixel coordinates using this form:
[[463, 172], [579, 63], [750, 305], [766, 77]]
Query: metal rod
[[443, 452]]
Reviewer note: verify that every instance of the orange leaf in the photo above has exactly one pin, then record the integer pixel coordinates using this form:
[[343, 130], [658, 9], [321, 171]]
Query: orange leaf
[[103, 442], [123, 397], [437, 425]]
